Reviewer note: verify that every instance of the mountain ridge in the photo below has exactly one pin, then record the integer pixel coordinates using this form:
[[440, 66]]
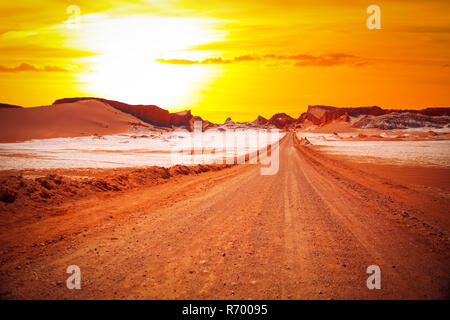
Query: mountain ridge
[[316, 115]]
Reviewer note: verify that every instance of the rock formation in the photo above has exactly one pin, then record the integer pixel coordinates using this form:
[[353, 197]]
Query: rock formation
[[281, 121], [148, 113]]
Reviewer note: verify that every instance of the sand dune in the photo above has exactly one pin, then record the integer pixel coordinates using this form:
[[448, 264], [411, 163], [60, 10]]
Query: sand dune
[[64, 120]]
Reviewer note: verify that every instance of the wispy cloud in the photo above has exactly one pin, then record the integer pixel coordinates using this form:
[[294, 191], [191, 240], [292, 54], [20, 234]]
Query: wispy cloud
[[330, 60], [177, 61], [26, 67], [298, 60], [212, 60]]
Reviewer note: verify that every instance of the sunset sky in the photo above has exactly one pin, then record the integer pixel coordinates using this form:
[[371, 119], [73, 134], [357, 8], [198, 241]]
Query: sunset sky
[[226, 58]]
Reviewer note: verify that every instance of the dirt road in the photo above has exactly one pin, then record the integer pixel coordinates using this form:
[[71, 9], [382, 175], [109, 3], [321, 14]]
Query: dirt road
[[308, 232]]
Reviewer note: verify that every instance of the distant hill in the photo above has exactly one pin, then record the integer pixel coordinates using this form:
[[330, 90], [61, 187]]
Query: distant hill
[[70, 117], [82, 118], [402, 120], [9, 106], [376, 117], [147, 113]]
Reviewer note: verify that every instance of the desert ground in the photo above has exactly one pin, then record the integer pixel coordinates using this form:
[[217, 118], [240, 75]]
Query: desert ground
[[227, 232], [199, 151]]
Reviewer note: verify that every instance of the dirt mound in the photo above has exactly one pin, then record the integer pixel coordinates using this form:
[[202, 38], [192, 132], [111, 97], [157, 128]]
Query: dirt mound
[[82, 118], [20, 189], [7, 195], [302, 141]]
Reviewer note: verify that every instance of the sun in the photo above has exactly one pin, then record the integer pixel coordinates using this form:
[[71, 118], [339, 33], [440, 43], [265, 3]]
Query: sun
[[125, 67]]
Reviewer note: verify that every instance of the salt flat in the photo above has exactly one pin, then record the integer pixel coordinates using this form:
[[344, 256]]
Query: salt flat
[[420, 152], [132, 149]]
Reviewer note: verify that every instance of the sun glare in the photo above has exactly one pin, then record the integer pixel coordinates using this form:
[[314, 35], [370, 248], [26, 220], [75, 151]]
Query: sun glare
[[125, 68]]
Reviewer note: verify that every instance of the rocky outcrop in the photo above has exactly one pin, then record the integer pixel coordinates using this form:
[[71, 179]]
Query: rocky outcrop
[[205, 123], [260, 121], [281, 121], [180, 118], [229, 121], [322, 115], [148, 113], [402, 120], [318, 110], [345, 118], [318, 115], [336, 113], [308, 118], [433, 112]]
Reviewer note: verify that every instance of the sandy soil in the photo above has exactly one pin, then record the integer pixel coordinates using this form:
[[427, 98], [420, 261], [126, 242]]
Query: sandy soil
[[436, 179], [308, 232], [83, 118]]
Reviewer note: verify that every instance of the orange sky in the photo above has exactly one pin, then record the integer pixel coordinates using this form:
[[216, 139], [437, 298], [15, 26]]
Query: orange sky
[[220, 58]]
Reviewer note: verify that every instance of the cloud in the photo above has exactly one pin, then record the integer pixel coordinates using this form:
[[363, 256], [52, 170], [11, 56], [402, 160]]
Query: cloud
[[177, 61], [331, 60], [247, 58], [213, 60], [26, 67], [218, 60], [297, 60]]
